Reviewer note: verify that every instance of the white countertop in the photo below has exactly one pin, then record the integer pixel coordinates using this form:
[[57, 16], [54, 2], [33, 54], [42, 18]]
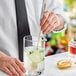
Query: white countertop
[[51, 68]]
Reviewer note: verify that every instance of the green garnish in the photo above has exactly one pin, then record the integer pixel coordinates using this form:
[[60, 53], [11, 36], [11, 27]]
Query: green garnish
[[31, 52], [43, 59]]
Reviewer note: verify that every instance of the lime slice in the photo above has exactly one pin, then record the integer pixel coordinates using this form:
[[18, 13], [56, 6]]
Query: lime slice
[[36, 56]]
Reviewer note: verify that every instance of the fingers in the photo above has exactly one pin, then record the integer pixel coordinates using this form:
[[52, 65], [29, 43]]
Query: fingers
[[19, 71], [12, 66], [53, 21], [49, 20], [51, 28], [20, 64], [13, 71], [48, 28], [58, 20], [45, 16], [7, 71], [51, 16]]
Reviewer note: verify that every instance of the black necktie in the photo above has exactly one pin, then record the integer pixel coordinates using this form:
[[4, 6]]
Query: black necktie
[[22, 24]]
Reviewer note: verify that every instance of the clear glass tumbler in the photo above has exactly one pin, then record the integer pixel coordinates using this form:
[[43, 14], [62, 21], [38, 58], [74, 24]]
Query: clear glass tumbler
[[72, 49], [34, 55]]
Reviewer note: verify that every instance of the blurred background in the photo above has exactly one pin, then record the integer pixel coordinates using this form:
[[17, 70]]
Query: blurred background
[[58, 42]]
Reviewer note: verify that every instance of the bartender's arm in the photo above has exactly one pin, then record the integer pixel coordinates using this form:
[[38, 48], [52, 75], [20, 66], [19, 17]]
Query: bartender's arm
[[53, 18], [11, 66]]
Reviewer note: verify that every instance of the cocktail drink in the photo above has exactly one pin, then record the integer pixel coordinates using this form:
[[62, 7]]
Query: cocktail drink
[[72, 50], [72, 47], [34, 56]]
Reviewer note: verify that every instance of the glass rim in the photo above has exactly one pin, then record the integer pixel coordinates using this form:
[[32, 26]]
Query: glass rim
[[44, 39]]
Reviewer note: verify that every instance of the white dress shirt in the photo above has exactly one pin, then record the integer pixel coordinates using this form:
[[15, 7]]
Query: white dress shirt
[[8, 25]]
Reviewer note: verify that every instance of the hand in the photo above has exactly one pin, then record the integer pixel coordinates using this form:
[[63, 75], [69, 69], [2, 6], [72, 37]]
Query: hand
[[49, 22], [11, 66]]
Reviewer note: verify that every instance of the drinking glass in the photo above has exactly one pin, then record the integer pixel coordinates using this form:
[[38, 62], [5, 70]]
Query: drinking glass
[[34, 55], [72, 49]]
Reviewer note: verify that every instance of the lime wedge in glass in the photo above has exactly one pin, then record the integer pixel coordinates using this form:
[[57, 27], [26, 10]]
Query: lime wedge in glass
[[36, 56]]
